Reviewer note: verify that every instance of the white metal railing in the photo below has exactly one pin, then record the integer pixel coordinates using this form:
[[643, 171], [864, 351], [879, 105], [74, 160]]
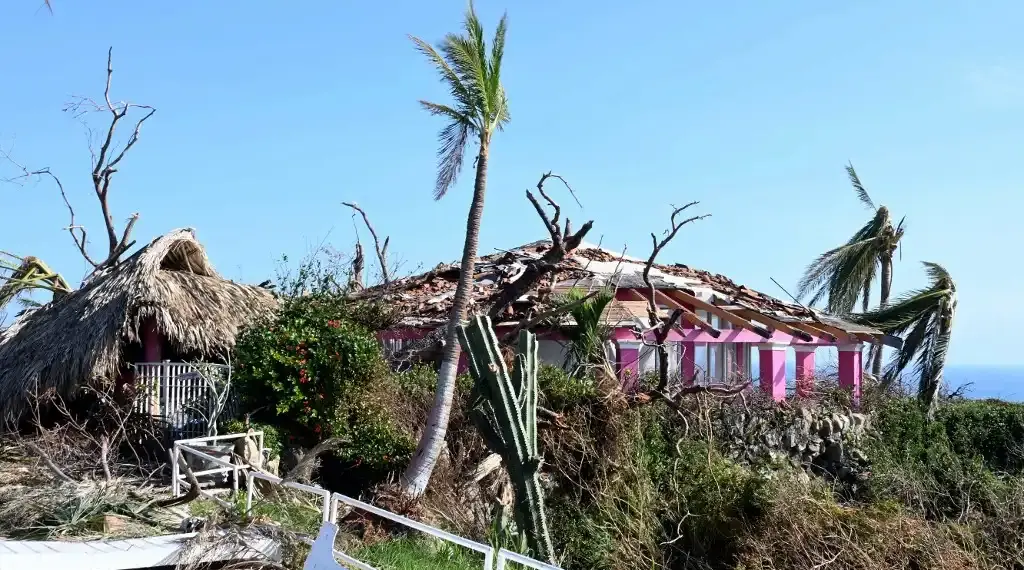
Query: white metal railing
[[186, 396], [329, 503], [184, 447]]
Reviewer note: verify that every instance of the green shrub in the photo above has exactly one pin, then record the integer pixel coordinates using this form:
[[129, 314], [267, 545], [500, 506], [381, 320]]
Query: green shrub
[[990, 429], [271, 437], [313, 373], [562, 390]]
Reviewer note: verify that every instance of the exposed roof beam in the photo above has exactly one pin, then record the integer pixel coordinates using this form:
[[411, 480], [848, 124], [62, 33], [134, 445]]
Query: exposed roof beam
[[812, 329], [734, 319], [687, 314], [840, 334], [786, 328]]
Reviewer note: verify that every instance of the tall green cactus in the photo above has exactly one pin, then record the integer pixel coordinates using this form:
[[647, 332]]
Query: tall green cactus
[[505, 412]]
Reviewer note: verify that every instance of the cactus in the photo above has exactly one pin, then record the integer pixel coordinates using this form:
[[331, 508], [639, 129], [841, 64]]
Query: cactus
[[505, 412]]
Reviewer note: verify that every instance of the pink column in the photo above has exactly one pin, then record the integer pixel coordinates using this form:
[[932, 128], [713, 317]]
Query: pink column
[[804, 369], [687, 367], [851, 368], [629, 363], [773, 370], [151, 342]]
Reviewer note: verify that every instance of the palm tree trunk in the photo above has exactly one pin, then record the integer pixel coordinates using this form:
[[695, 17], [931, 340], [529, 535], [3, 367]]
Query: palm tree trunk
[[417, 475], [876, 363]]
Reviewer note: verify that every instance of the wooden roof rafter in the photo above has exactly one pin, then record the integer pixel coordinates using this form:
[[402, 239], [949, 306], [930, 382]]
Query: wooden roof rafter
[[728, 316], [770, 321], [687, 314]]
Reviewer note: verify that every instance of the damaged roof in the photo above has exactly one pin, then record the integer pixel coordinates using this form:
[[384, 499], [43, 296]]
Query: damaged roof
[[425, 300]]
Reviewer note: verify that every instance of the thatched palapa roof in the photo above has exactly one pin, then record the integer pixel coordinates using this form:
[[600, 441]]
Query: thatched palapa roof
[[80, 337]]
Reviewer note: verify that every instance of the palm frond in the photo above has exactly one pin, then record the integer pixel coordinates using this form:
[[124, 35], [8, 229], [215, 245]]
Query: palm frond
[[862, 192], [928, 315], [453, 138], [462, 93], [839, 275], [464, 58], [912, 344]]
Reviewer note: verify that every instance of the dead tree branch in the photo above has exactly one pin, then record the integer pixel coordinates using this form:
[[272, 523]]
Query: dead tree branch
[[57, 471], [659, 327], [381, 249], [78, 233], [106, 161], [563, 242]]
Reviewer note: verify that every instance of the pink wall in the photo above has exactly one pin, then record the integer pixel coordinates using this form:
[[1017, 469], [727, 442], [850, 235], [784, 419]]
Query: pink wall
[[773, 371], [688, 367], [629, 364], [851, 368], [804, 371], [152, 343]]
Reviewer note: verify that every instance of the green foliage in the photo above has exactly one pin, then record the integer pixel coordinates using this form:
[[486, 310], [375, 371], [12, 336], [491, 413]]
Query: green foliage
[[990, 429], [473, 77], [307, 365], [587, 336], [943, 469], [562, 391], [271, 437], [408, 553], [311, 372]]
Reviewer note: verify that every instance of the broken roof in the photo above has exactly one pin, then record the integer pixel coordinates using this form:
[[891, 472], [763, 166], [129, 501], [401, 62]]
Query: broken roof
[[425, 300]]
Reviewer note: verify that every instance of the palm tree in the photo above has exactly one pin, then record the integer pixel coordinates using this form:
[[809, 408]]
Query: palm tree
[[587, 337], [928, 316], [845, 274], [480, 109]]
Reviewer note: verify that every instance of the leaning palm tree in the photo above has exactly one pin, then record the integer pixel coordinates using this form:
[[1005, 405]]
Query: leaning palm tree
[[928, 316], [845, 274], [480, 109]]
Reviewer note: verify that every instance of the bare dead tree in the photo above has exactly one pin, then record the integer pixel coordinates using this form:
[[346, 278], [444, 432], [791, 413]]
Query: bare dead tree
[[661, 327], [381, 249], [358, 265], [563, 242], [105, 163]]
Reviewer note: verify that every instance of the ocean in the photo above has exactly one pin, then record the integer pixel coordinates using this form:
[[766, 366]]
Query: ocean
[[1003, 382]]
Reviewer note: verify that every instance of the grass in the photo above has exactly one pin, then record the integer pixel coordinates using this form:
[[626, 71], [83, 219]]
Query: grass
[[416, 553]]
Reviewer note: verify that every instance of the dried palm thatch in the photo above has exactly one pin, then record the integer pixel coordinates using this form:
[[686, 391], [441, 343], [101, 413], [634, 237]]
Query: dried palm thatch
[[80, 337]]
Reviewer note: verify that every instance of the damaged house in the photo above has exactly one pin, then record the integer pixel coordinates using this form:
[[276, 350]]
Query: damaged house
[[723, 325]]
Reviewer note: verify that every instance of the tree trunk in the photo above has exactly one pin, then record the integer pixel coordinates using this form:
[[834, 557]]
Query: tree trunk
[[417, 475], [876, 363], [662, 365]]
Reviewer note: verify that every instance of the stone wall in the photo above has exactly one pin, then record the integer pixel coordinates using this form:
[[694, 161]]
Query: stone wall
[[818, 438]]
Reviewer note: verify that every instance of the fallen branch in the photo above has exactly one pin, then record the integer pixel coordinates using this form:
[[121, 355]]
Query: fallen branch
[[49, 462], [303, 470], [193, 489]]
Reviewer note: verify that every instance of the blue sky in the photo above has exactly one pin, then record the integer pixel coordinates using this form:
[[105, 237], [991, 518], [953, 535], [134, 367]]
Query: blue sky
[[271, 114]]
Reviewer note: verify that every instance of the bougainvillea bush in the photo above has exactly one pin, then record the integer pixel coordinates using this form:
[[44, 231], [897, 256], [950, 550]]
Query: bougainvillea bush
[[310, 371]]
